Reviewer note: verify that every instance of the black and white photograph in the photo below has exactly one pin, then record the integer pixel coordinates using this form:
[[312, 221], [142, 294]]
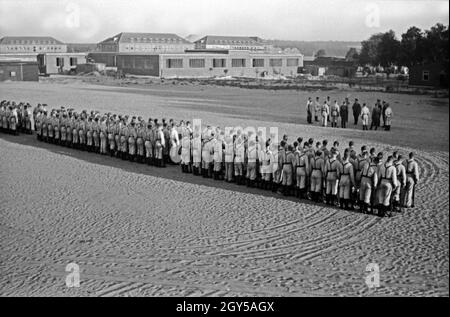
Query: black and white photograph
[[241, 151]]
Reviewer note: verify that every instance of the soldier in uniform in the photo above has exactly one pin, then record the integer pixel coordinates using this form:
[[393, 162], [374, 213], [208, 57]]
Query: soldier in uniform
[[266, 166], [50, 130], [365, 115], [401, 177], [149, 139], [96, 134], [346, 182], [412, 178], [103, 127], [343, 111], [309, 110], [217, 148], [356, 111], [89, 133], [317, 165], [111, 131], [140, 134], [239, 150], [132, 135], [369, 182], [196, 151], [387, 174], [185, 150], [302, 171], [388, 114], [334, 112], [332, 175], [229, 157], [288, 162], [325, 111], [252, 157], [82, 129], [57, 128], [63, 129], [44, 126], [160, 144], [317, 108]]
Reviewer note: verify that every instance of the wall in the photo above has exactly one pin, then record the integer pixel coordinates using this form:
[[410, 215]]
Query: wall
[[154, 48], [438, 76], [50, 66], [23, 72], [147, 65]]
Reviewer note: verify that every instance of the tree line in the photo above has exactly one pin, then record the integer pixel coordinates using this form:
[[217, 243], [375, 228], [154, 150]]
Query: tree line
[[415, 47]]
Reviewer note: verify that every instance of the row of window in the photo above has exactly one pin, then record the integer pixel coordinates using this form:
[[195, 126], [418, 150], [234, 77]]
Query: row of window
[[154, 47], [235, 62], [33, 48]]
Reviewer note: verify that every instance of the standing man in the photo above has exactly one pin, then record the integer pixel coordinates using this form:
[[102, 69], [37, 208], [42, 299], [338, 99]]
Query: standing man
[[369, 182], [388, 114], [401, 177], [383, 112], [309, 110], [344, 115], [316, 109], [365, 114], [346, 181], [301, 171], [317, 164], [334, 114], [325, 113], [332, 175], [412, 178], [229, 157], [356, 111], [387, 175]]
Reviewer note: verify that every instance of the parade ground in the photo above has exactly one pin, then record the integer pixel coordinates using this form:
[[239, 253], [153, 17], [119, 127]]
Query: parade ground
[[138, 230]]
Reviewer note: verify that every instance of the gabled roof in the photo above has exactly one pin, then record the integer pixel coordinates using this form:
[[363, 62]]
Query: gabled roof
[[230, 40], [29, 40], [163, 38]]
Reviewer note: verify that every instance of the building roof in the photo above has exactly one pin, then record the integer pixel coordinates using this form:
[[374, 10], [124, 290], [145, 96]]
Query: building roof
[[230, 40], [29, 40], [162, 38]]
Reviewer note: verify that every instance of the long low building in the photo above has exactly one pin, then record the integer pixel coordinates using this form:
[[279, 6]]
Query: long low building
[[203, 63]]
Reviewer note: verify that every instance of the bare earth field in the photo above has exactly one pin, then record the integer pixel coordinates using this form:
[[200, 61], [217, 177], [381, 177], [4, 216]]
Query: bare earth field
[[136, 230]]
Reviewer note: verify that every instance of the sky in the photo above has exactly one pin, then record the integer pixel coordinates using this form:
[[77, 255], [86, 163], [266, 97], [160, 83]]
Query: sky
[[91, 21]]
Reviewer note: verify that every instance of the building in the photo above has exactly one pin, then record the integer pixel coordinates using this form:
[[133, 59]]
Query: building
[[429, 75], [60, 63], [148, 43], [31, 45], [203, 63], [19, 71], [330, 66], [232, 43]]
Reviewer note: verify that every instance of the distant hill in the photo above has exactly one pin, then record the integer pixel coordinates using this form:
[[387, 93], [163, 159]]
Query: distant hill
[[309, 48], [81, 47]]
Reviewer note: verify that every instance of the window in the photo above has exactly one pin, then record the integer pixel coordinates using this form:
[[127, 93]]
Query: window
[[59, 62], [174, 63], [73, 61], [219, 63], [425, 75], [258, 62], [276, 62], [196, 63], [292, 62], [12, 74], [238, 62]]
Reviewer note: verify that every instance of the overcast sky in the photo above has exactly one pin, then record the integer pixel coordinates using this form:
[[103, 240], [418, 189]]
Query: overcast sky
[[95, 20]]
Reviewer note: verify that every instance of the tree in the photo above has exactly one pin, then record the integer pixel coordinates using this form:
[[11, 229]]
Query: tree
[[388, 49], [320, 53], [369, 50], [352, 55], [436, 43], [412, 47]]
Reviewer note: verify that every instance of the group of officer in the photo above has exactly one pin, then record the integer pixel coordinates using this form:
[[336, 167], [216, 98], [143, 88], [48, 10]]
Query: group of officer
[[304, 169], [333, 113]]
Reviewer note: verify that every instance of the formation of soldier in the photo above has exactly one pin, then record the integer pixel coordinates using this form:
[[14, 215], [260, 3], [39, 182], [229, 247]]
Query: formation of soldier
[[368, 181], [328, 113]]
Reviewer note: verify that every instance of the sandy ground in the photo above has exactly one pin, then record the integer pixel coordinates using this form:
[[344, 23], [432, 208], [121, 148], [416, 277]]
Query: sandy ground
[[138, 230]]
